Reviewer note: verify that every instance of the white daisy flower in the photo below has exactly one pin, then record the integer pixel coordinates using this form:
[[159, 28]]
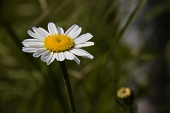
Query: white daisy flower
[[55, 44]]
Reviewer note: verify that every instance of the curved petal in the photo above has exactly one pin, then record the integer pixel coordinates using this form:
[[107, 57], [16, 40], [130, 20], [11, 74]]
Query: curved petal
[[61, 56], [25, 42], [81, 52], [57, 56], [48, 58], [32, 40], [45, 56], [86, 44], [34, 44], [76, 60], [43, 31], [29, 50], [52, 28], [76, 33], [70, 29], [39, 52], [69, 55], [73, 31], [35, 35], [83, 38], [52, 59], [60, 30], [39, 31]]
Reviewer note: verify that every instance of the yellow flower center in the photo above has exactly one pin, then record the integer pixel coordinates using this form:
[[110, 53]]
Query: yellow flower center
[[124, 92], [58, 43]]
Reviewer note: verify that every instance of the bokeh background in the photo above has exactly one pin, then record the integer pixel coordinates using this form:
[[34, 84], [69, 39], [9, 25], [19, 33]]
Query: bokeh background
[[131, 49]]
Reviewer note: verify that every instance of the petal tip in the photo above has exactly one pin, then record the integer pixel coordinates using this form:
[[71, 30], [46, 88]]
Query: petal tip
[[34, 27]]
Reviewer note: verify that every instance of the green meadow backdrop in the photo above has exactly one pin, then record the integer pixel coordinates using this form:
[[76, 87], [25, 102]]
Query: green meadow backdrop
[[131, 49]]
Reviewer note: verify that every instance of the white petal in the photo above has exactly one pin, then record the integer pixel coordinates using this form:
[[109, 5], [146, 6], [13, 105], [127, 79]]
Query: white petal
[[45, 56], [61, 56], [83, 38], [60, 30], [29, 50], [86, 44], [69, 55], [76, 33], [73, 31], [70, 29], [39, 31], [81, 52], [57, 56], [52, 59], [52, 28], [25, 42], [35, 35], [76, 60], [49, 57], [43, 31], [33, 44], [32, 40], [39, 52]]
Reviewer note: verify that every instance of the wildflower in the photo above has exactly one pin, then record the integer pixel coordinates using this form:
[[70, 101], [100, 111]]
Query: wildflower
[[124, 92], [55, 44], [125, 97]]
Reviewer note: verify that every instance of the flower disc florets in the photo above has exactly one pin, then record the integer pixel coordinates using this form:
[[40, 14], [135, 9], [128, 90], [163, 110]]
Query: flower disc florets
[[58, 43]]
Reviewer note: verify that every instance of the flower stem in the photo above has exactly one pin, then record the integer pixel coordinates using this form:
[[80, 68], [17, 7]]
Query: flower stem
[[68, 86], [131, 109], [124, 29]]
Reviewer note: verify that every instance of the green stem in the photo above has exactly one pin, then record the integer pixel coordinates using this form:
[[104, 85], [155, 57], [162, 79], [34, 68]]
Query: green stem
[[131, 109], [118, 36], [125, 27], [132, 17], [68, 86]]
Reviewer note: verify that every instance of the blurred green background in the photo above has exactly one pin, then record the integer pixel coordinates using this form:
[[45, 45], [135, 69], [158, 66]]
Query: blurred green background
[[131, 49]]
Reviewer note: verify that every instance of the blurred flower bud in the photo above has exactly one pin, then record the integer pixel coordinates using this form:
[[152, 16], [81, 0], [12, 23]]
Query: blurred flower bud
[[125, 96], [124, 92]]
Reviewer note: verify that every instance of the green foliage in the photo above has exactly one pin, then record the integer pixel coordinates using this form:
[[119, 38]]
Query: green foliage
[[27, 85]]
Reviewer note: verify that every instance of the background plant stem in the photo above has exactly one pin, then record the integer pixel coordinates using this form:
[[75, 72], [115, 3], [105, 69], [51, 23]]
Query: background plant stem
[[126, 26]]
